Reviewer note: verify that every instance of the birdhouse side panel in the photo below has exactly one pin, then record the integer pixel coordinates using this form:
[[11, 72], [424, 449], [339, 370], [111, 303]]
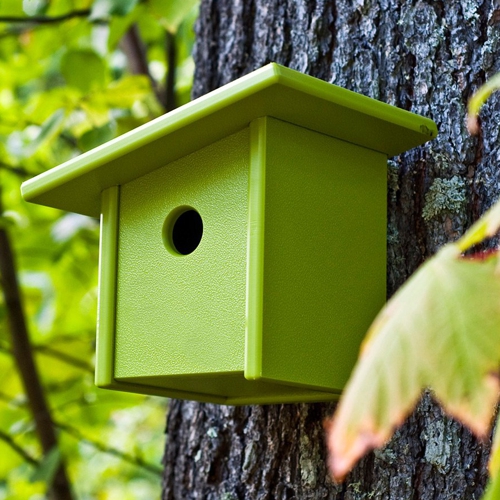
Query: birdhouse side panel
[[324, 257], [181, 311]]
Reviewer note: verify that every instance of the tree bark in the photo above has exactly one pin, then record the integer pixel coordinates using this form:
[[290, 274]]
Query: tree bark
[[424, 56]]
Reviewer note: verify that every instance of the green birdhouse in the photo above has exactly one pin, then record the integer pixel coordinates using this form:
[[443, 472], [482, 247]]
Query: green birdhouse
[[243, 239]]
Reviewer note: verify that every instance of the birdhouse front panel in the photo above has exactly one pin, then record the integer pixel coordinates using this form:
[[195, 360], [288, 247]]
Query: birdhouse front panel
[[184, 313]]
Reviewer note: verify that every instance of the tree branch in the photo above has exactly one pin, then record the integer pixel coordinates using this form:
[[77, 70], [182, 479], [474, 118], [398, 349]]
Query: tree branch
[[60, 488], [19, 25], [46, 19], [18, 449], [126, 457], [62, 356], [76, 434], [19, 171], [54, 353], [171, 51], [135, 51]]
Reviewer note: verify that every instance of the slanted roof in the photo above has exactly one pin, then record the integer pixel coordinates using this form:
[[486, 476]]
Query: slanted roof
[[273, 90]]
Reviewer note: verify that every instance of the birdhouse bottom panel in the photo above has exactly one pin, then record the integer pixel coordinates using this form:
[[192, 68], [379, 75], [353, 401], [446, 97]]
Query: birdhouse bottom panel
[[228, 388]]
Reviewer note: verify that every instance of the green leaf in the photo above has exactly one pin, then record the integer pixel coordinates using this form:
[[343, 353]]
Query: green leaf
[[493, 490], [11, 8], [441, 330], [494, 463], [119, 25], [48, 467], [103, 9], [126, 91], [96, 136], [486, 227], [478, 99], [49, 129], [35, 7], [172, 13], [83, 69]]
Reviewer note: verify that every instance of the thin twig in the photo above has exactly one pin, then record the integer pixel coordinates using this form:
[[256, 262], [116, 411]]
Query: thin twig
[[135, 51], [20, 171], [62, 356], [45, 19], [19, 25], [171, 51], [76, 434], [18, 449], [126, 457], [54, 353]]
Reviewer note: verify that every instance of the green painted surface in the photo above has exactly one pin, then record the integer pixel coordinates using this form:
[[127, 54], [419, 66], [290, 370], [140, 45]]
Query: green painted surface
[[307, 294], [325, 254], [106, 313], [273, 91], [233, 388], [255, 250], [184, 314]]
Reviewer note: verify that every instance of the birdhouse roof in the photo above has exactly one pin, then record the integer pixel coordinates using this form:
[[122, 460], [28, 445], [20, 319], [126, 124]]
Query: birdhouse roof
[[273, 91]]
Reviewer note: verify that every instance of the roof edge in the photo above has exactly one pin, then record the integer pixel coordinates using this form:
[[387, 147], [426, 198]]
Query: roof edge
[[119, 146], [272, 90]]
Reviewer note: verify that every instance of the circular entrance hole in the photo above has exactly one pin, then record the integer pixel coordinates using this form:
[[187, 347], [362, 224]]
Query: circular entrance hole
[[183, 230]]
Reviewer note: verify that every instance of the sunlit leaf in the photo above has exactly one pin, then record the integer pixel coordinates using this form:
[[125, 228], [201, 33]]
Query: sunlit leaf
[[126, 91], [493, 489], [83, 69], [477, 101], [102, 9], [486, 227], [49, 129], [172, 13], [440, 330], [35, 7], [96, 136], [12, 8], [48, 466], [119, 25], [96, 110]]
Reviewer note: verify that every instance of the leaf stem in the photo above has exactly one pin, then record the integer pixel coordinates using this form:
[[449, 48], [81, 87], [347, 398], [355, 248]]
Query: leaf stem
[[45, 19], [171, 51], [126, 457], [133, 47], [18, 449]]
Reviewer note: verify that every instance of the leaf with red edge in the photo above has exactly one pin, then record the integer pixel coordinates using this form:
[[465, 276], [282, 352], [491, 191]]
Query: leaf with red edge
[[486, 227], [441, 330], [493, 490], [478, 99]]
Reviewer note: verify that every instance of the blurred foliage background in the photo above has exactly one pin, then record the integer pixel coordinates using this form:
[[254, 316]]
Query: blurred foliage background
[[74, 74]]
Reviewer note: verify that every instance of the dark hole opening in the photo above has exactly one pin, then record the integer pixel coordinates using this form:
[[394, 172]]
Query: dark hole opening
[[187, 232]]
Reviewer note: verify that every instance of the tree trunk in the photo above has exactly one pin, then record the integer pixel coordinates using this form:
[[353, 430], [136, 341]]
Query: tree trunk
[[424, 56]]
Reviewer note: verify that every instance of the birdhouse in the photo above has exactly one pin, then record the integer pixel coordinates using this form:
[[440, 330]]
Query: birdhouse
[[243, 239]]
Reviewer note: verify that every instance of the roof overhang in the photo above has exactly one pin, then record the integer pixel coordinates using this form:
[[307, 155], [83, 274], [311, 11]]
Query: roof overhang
[[273, 90]]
